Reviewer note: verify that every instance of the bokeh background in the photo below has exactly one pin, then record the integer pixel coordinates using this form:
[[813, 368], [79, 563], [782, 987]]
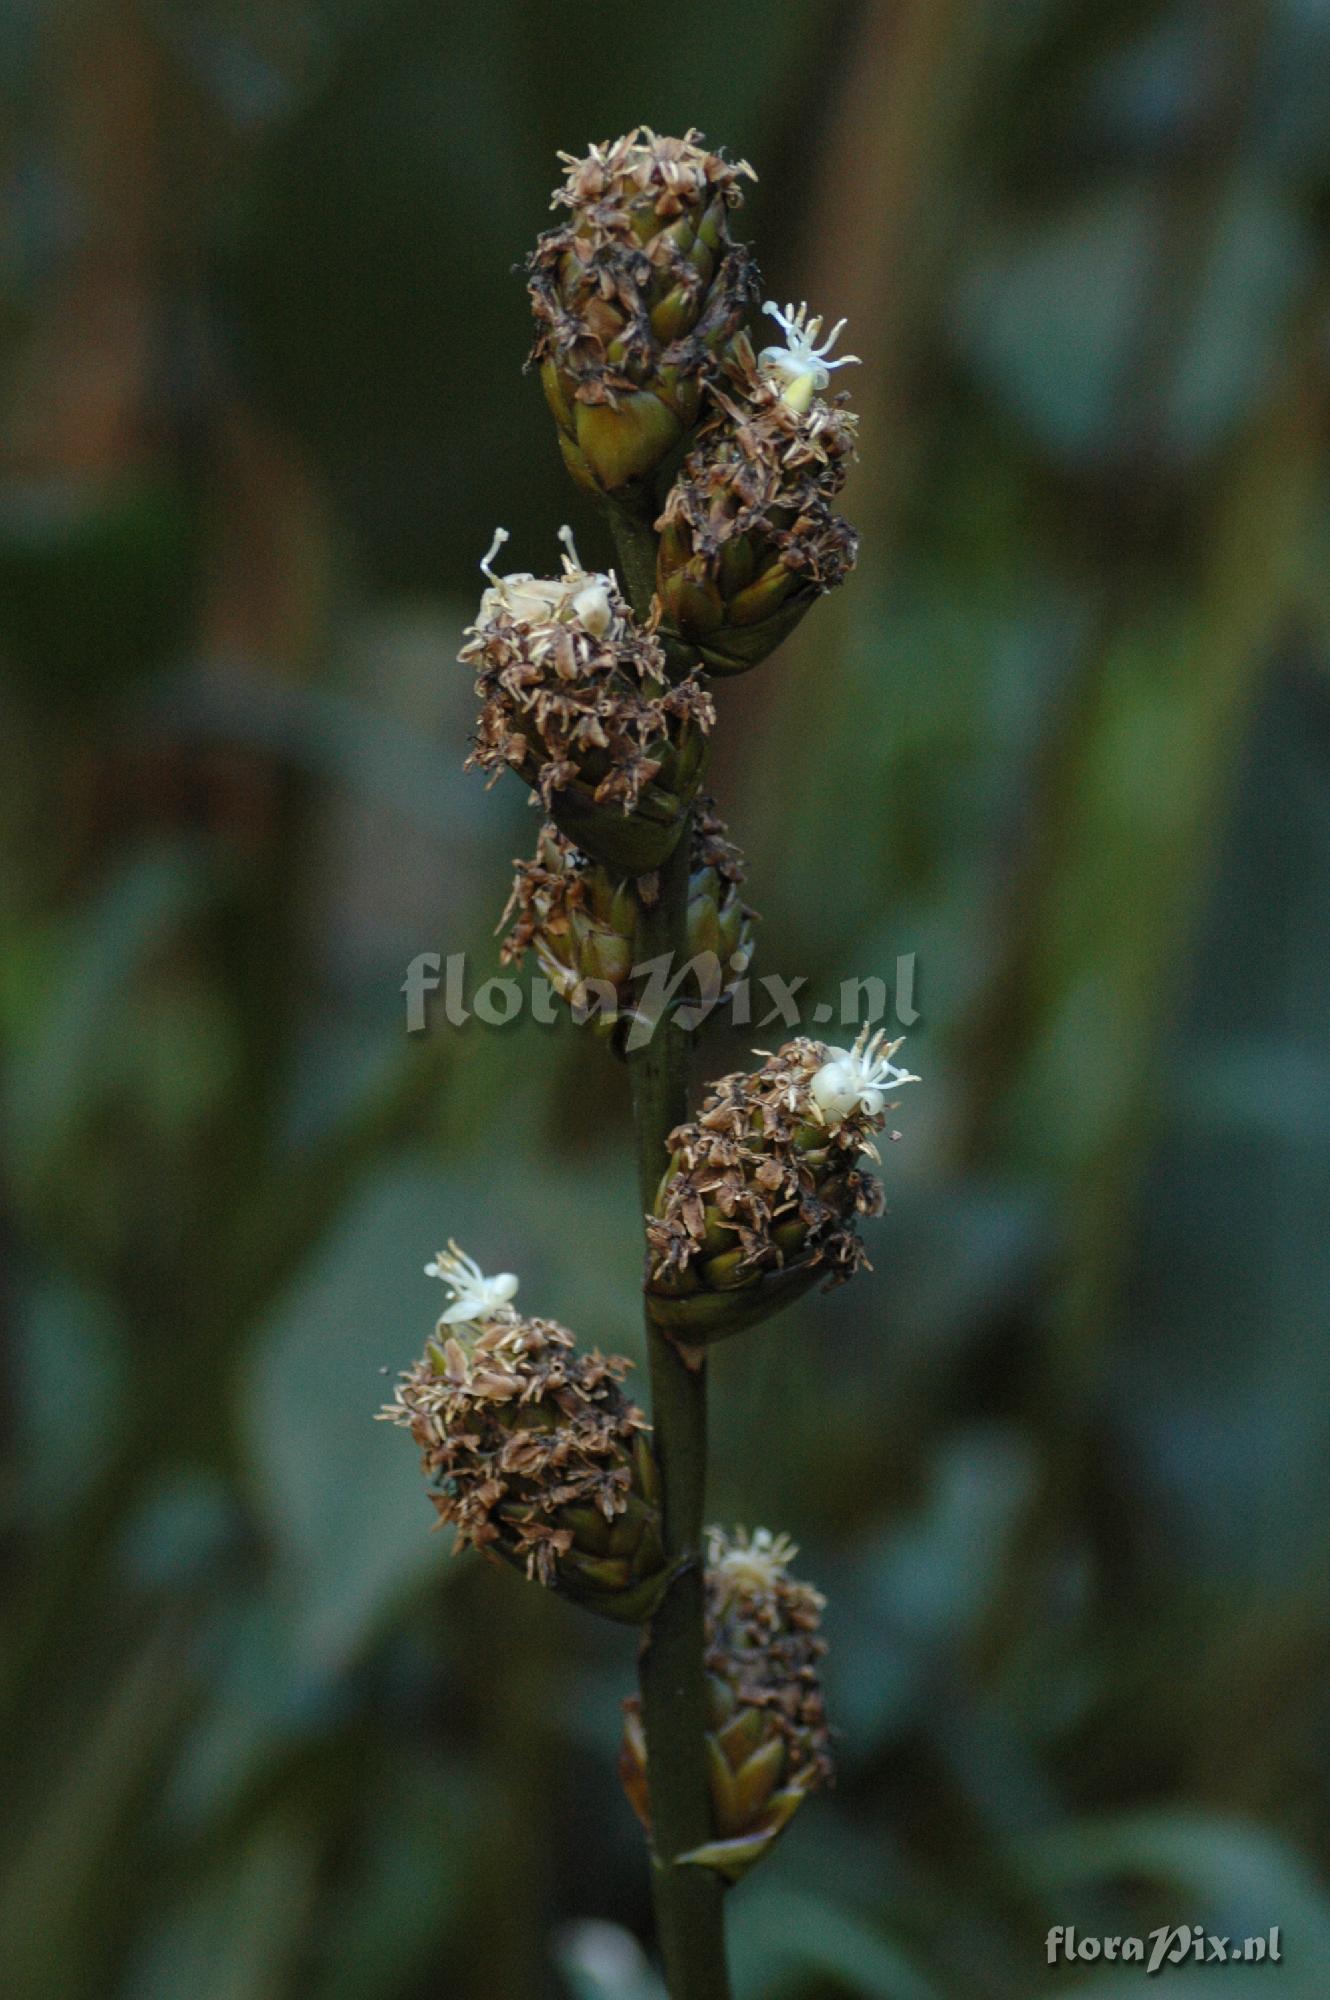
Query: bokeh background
[[1063, 1463]]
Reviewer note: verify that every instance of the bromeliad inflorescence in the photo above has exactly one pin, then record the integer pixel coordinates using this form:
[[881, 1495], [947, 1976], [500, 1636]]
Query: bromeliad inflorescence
[[718, 462]]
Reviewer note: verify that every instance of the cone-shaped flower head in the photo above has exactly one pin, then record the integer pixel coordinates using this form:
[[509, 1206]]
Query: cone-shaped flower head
[[636, 295], [764, 1188], [575, 697], [749, 537], [580, 920], [531, 1448], [768, 1744]]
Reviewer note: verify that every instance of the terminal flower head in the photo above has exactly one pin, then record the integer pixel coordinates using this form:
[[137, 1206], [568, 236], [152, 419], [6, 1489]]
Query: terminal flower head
[[474, 1296], [858, 1079], [803, 364], [637, 292]]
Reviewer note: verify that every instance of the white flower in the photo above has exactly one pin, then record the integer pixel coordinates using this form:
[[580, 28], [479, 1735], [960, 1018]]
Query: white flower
[[579, 594], [858, 1079], [749, 1563], [474, 1296], [802, 365]]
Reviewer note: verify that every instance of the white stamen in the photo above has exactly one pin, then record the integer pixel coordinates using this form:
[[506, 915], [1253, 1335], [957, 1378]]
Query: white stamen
[[474, 1296], [487, 560], [571, 560]]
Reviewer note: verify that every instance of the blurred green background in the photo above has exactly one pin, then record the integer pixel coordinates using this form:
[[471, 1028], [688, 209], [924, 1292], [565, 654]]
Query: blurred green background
[[1062, 1463]]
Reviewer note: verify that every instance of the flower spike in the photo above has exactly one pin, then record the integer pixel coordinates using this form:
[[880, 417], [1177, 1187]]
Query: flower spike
[[749, 537], [580, 920], [761, 1197], [576, 698]]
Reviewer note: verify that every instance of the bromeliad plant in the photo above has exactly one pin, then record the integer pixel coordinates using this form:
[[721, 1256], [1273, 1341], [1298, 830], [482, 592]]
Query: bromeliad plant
[[717, 465]]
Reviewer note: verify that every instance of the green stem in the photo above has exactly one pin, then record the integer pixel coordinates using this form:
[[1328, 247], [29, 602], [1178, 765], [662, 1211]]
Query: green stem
[[690, 1923], [688, 1900], [635, 546]]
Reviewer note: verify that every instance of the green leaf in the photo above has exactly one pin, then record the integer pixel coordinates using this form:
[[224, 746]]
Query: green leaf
[[1051, 317], [349, 1520], [236, 1937], [603, 1961], [55, 1890], [1235, 1877], [261, 1700], [404, 1884], [63, 1049], [780, 1939], [64, 1333]]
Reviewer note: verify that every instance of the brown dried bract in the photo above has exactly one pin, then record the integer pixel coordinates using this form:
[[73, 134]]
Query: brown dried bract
[[713, 848], [547, 895]]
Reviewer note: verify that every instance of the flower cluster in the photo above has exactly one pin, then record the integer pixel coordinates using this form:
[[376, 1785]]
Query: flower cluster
[[531, 1449], [769, 1745], [719, 468], [576, 699], [764, 1187], [636, 296], [580, 920], [748, 537]]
